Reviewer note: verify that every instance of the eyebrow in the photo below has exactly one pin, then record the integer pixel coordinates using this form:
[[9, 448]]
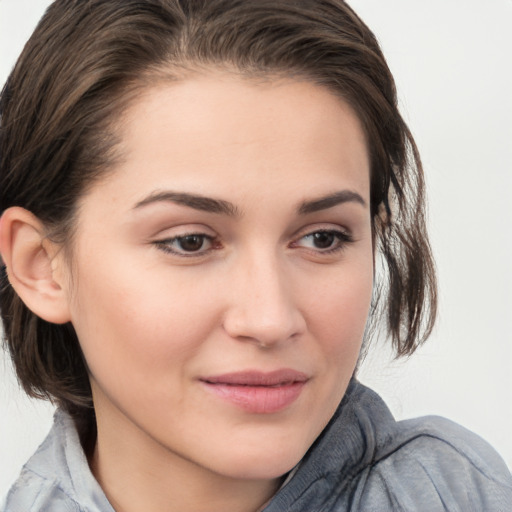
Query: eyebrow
[[195, 201], [220, 206], [323, 203]]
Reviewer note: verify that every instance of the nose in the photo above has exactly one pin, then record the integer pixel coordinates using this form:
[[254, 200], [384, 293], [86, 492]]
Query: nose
[[263, 306]]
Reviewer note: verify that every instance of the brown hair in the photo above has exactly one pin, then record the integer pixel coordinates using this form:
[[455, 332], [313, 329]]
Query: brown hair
[[77, 74]]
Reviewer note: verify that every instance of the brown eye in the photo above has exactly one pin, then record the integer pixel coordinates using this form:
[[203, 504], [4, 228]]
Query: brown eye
[[187, 245], [323, 239], [191, 243]]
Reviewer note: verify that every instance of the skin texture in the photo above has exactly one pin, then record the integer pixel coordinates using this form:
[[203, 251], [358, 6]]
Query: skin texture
[[256, 292]]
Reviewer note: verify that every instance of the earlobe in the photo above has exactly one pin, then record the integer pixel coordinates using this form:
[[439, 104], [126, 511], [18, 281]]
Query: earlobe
[[33, 265]]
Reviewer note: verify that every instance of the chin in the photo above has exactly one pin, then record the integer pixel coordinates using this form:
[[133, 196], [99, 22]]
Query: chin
[[267, 463]]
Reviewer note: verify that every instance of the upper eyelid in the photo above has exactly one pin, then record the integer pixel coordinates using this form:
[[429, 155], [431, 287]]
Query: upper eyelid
[[173, 238], [322, 227], [327, 230], [347, 235], [185, 234], [180, 231]]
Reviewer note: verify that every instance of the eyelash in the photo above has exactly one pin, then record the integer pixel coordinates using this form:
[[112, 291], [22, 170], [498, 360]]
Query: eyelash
[[343, 239], [166, 245]]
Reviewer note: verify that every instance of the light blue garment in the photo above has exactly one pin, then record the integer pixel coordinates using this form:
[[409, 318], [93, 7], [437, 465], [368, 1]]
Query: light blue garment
[[363, 461], [57, 477]]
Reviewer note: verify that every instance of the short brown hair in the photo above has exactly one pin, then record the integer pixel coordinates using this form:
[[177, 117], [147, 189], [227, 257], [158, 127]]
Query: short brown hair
[[74, 79]]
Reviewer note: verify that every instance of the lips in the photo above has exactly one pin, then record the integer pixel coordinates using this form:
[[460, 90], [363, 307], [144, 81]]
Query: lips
[[258, 392]]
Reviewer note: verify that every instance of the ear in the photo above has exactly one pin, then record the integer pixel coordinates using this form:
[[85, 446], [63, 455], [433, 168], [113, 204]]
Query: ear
[[35, 266]]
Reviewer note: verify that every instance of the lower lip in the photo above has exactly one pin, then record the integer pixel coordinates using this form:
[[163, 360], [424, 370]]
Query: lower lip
[[258, 399]]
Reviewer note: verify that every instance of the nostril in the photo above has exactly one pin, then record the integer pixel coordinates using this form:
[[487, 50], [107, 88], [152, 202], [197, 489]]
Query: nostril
[[263, 308], [264, 332]]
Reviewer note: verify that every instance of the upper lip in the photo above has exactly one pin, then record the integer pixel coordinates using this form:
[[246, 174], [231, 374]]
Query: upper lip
[[258, 378]]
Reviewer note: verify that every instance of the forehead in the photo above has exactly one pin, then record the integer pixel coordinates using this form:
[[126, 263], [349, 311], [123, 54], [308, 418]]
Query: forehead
[[219, 133]]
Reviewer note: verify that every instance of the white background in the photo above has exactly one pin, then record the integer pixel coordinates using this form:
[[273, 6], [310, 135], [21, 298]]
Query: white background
[[452, 64]]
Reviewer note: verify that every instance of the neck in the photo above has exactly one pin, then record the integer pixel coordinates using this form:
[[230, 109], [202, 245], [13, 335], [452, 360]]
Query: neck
[[145, 476]]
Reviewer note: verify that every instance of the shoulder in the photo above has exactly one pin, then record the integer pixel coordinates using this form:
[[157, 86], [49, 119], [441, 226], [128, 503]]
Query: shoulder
[[435, 462], [57, 477], [34, 493], [367, 461]]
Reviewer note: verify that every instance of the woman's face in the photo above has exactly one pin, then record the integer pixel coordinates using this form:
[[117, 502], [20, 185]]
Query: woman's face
[[222, 274]]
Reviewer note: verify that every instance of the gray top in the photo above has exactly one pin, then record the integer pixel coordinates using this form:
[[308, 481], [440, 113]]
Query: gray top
[[363, 461]]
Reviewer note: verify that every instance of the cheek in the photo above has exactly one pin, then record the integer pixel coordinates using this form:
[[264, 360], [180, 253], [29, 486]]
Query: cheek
[[133, 324], [339, 312]]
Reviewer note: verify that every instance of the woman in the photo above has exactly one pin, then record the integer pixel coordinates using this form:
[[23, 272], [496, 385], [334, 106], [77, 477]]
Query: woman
[[197, 198]]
